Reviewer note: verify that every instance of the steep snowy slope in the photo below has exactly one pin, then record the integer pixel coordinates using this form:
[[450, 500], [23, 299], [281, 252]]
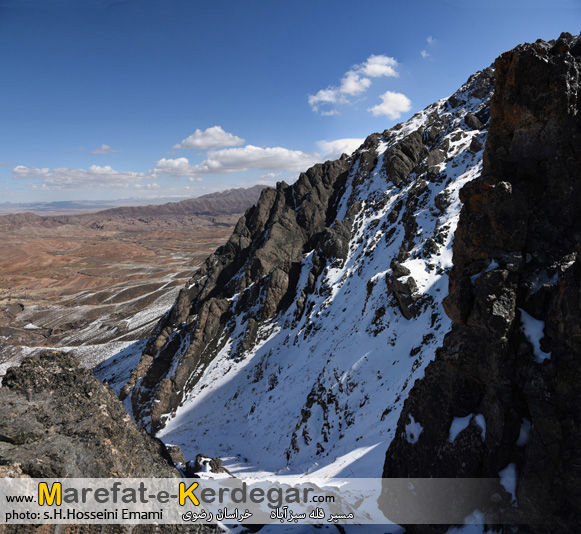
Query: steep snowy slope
[[293, 349]]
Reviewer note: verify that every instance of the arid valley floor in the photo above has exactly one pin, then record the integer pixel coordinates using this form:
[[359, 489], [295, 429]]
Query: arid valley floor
[[105, 277]]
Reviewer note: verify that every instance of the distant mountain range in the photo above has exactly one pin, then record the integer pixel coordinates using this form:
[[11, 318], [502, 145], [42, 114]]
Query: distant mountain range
[[70, 207], [211, 208]]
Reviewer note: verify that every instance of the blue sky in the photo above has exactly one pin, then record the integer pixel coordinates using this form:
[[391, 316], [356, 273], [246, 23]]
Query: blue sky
[[109, 99]]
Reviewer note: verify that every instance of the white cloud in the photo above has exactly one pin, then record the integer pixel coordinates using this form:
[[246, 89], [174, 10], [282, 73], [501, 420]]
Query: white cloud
[[103, 149], [270, 175], [253, 157], [329, 113], [214, 137], [333, 149], [377, 66], [175, 167], [325, 96], [147, 186], [93, 177], [354, 82], [239, 159], [21, 171], [431, 41], [393, 105]]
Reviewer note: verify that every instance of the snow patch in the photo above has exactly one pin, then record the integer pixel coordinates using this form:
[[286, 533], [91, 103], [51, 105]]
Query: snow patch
[[473, 524], [533, 330], [524, 434], [413, 431], [491, 266], [508, 480], [458, 424]]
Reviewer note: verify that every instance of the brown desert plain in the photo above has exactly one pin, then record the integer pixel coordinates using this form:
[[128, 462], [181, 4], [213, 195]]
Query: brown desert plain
[[95, 282]]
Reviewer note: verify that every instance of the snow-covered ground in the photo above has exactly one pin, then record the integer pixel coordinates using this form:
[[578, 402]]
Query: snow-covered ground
[[87, 342]]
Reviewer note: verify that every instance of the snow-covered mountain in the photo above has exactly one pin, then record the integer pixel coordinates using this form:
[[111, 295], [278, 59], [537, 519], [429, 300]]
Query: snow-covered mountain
[[294, 347], [419, 297]]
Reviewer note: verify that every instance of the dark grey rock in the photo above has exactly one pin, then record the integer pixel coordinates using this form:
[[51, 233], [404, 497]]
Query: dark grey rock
[[403, 157], [524, 213], [473, 122], [399, 270], [176, 454], [57, 420], [476, 145], [204, 463]]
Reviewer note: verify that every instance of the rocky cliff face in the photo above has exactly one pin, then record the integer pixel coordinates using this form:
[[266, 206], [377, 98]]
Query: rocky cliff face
[[261, 261], [295, 345], [502, 395]]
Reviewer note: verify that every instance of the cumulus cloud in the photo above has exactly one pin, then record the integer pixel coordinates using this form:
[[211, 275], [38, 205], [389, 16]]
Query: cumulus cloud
[[425, 54], [253, 157], [325, 96], [377, 66], [93, 177], [354, 82], [392, 105], [238, 159], [175, 167], [21, 171], [333, 149], [103, 149], [430, 40], [214, 137]]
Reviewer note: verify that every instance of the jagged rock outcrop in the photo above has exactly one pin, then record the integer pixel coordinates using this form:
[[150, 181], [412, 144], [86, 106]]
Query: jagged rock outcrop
[[507, 376], [57, 420], [264, 251], [205, 464]]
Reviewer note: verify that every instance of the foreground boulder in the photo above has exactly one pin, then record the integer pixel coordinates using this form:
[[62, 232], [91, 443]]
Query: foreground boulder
[[57, 420]]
